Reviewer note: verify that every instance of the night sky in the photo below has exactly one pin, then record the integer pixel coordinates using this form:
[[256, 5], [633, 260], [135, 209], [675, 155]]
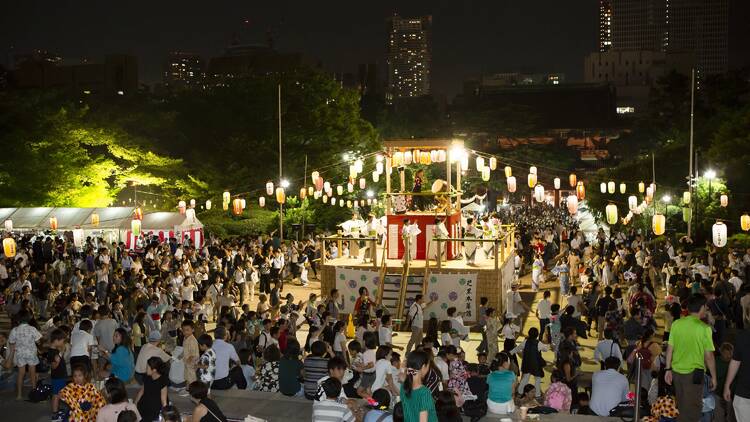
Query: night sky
[[469, 37]]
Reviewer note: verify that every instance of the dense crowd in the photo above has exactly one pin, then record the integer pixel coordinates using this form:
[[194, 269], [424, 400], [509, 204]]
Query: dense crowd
[[175, 319]]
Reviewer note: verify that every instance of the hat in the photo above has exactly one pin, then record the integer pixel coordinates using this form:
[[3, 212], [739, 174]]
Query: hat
[[154, 336]]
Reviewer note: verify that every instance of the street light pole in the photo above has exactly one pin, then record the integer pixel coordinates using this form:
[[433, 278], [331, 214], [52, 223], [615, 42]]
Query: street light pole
[[281, 206]]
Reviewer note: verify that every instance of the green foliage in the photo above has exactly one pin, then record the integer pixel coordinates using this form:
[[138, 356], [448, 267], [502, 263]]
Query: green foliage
[[253, 221], [739, 241]]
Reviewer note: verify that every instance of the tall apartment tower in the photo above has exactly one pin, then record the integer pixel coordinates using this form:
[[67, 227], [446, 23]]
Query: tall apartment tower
[[638, 24], [605, 25], [184, 70], [409, 56]]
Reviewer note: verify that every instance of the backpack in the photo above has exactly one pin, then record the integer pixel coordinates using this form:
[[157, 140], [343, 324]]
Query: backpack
[[41, 392]]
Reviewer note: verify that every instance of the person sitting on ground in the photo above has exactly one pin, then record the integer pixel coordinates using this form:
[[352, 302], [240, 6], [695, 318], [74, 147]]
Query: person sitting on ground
[[330, 409], [205, 408]]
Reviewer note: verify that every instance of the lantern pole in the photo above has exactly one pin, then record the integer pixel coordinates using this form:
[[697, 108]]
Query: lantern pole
[[281, 206], [304, 186], [690, 170]]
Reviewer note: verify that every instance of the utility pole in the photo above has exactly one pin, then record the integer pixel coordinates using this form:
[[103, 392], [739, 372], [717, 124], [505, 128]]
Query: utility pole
[[281, 206], [690, 171]]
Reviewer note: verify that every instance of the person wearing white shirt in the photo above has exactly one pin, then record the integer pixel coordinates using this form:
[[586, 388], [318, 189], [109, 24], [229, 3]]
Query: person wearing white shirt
[[608, 388], [607, 348], [239, 280], [457, 324], [544, 312], [736, 281], [385, 333], [409, 234], [383, 378], [82, 343], [415, 318], [225, 353]]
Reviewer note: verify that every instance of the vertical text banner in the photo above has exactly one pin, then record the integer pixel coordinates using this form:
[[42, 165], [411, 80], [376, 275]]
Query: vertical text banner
[[452, 290]]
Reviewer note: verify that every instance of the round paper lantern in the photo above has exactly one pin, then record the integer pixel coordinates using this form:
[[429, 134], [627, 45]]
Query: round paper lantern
[[78, 237], [339, 190], [686, 198], [603, 187], [623, 188], [95, 219], [572, 203], [539, 193], [138, 213], [580, 191], [611, 187], [362, 183], [572, 179], [8, 225], [302, 193], [508, 172], [532, 169], [182, 206], [226, 197], [375, 176], [724, 200], [315, 175], [190, 215], [658, 224], [493, 163], [511, 181], [398, 159], [269, 188], [480, 163], [280, 195], [687, 214], [135, 227], [719, 234], [53, 223], [9, 247], [611, 212], [532, 180], [641, 187], [407, 157], [745, 222], [486, 174], [349, 187], [237, 206], [557, 183], [632, 203]]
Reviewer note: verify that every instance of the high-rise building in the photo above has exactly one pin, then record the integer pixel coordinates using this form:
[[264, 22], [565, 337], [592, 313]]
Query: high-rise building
[[409, 56], [638, 24], [117, 74], [605, 25], [184, 70]]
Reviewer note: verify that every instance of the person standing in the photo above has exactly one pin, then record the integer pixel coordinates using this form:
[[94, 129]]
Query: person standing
[[191, 351], [416, 321], [544, 312], [689, 353], [739, 373]]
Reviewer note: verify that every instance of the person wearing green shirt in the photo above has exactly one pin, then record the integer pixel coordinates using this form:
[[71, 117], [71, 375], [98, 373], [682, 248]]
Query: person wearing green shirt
[[689, 353], [416, 399], [502, 383]]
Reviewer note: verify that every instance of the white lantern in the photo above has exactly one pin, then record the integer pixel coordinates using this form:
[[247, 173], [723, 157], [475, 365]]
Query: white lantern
[[379, 158], [557, 183], [356, 203], [572, 204], [511, 181], [649, 193], [262, 201], [369, 201], [686, 198], [398, 159], [745, 222], [9, 225], [486, 174], [480, 163], [379, 168], [339, 190], [603, 187], [314, 175], [302, 193], [532, 170], [611, 187], [375, 176], [341, 202], [442, 156], [182, 206], [358, 165], [317, 194], [641, 187], [653, 188], [611, 211], [333, 202], [720, 234], [539, 193], [192, 203], [508, 171], [349, 187], [632, 203], [623, 188], [325, 199], [78, 238], [190, 215], [311, 191], [327, 186], [226, 197], [269, 188], [362, 183], [243, 204], [135, 227], [493, 163], [465, 161], [532, 180], [407, 158], [352, 171], [208, 204], [724, 200]]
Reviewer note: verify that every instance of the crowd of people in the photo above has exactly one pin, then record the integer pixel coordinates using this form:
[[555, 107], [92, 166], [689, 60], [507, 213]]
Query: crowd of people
[[173, 319]]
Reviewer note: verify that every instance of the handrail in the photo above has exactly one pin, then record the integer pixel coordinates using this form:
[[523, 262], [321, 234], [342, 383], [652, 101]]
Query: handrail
[[383, 270], [404, 281]]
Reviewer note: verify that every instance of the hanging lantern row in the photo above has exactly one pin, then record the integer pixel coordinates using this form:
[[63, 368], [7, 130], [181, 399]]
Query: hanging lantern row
[[416, 156]]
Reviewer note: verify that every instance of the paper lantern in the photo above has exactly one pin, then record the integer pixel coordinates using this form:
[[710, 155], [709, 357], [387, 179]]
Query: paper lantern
[[539, 193], [532, 180], [442, 156], [302, 193], [333, 202], [398, 159], [719, 234], [532, 169], [53, 223], [465, 161], [226, 197], [225, 205], [632, 203], [315, 175], [339, 190], [280, 195], [511, 181], [745, 222], [138, 213], [603, 187], [352, 171], [434, 157], [349, 187], [310, 191], [362, 183], [182, 206], [426, 158], [658, 224], [325, 199], [641, 187], [623, 188], [190, 215], [78, 238], [486, 174], [8, 225], [369, 201], [480, 163], [9, 247], [572, 203], [557, 183], [135, 227], [341, 202], [508, 172], [95, 219], [242, 202], [327, 186], [192, 203], [687, 214], [356, 202], [319, 184], [580, 191], [379, 168], [611, 212], [649, 194], [375, 176], [572, 179], [269, 188], [358, 165], [724, 200], [686, 198], [237, 206], [611, 187], [408, 157], [653, 188], [493, 163]]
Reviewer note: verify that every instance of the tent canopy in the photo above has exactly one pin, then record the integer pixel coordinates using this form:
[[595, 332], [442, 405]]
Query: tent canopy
[[111, 218]]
